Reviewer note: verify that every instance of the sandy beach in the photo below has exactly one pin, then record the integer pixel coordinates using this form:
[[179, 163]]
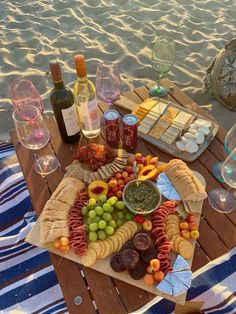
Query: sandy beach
[[33, 33]]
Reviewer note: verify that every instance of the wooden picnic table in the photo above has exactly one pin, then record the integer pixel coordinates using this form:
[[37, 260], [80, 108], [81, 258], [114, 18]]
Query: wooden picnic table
[[101, 293]]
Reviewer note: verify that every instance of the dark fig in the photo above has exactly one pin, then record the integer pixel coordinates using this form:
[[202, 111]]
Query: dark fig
[[142, 241], [117, 263], [130, 258], [149, 254], [128, 245], [138, 271]]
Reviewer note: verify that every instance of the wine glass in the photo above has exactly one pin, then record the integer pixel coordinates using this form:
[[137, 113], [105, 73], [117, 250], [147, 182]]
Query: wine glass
[[229, 145], [163, 55], [221, 199], [23, 92], [33, 133], [108, 82]]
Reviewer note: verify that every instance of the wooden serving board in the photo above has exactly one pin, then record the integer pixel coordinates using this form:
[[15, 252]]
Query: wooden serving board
[[171, 149], [103, 265]]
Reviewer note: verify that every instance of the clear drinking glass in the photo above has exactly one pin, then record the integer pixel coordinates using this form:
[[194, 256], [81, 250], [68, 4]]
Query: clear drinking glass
[[108, 82], [221, 199], [33, 133], [163, 56], [23, 92], [229, 145]]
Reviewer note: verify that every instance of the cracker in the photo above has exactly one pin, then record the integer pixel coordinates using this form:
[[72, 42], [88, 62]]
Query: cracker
[[177, 242], [89, 258], [171, 232], [186, 249], [172, 217], [96, 246]]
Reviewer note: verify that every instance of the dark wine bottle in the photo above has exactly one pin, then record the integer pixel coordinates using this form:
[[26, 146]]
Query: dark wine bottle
[[63, 104]]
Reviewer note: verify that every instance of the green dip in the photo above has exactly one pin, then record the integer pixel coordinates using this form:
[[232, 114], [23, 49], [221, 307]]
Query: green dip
[[141, 196]]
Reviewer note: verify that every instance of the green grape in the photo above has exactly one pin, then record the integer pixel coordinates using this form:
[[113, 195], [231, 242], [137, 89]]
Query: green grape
[[119, 222], [128, 216], [92, 202], [107, 216], [103, 198], [109, 230], [106, 207], [98, 210], [92, 236], [112, 223], [97, 219], [111, 201], [111, 209], [120, 215], [89, 221], [102, 224], [120, 205], [101, 235], [115, 198], [84, 210], [92, 214], [93, 226]]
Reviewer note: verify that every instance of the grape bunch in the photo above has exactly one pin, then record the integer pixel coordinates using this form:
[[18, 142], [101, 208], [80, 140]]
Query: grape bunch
[[104, 216]]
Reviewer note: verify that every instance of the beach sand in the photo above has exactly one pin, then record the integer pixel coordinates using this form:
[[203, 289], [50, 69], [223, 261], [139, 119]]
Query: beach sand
[[33, 33]]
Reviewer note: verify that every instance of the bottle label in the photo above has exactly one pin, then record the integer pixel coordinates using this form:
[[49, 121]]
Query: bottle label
[[71, 120], [90, 114]]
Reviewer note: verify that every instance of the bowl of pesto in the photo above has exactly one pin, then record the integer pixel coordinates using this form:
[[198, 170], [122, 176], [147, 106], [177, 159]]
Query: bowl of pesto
[[141, 197]]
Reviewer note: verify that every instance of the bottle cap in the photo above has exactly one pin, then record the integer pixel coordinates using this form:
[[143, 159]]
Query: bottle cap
[[80, 65], [55, 71]]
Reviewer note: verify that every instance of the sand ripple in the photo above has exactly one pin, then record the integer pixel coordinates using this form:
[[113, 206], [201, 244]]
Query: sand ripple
[[33, 33]]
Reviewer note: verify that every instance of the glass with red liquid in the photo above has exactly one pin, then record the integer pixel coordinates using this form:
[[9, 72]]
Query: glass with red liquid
[[112, 129], [130, 131]]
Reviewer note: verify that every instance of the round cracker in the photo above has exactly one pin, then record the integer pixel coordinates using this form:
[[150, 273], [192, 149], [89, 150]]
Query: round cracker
[[89, 258], [109, 239], [116, 243], [172, 217], [171, 232], [177, 242], [171, 226], [186, 249], [96, 247], [107, 247]]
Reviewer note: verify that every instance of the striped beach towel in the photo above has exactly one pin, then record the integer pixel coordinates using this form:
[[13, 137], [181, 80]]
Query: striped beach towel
[[28, 282]]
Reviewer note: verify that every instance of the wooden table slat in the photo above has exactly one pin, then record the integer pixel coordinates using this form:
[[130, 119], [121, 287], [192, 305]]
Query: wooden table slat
[[210, 241]]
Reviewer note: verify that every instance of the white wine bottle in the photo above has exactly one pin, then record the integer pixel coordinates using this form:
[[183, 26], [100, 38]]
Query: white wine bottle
[[86, 100], [62, 100]]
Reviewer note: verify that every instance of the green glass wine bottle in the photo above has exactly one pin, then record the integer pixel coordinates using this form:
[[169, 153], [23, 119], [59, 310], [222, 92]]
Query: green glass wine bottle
[[63, 104]]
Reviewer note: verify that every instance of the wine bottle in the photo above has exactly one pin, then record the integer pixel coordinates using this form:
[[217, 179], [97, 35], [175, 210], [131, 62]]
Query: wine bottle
[[62, 100], [86, 100]]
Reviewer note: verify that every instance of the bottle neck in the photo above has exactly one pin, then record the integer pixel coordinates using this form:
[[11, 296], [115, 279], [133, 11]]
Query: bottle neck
[[82, 79], [59, 85]]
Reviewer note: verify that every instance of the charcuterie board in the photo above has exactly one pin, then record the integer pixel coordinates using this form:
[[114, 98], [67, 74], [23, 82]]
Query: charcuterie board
[[177, 131], [98, 254]]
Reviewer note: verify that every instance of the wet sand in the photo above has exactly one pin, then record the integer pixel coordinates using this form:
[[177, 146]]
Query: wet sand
[[119, 30]]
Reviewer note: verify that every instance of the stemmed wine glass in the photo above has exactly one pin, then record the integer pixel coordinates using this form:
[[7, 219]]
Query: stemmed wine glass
[[33, 133], [23, 92], [220, 199], [163, 55], [229, 145], [108, 82]]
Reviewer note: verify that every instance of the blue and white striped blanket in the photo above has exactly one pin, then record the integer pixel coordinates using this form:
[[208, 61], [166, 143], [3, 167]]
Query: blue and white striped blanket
[[28, 282]]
